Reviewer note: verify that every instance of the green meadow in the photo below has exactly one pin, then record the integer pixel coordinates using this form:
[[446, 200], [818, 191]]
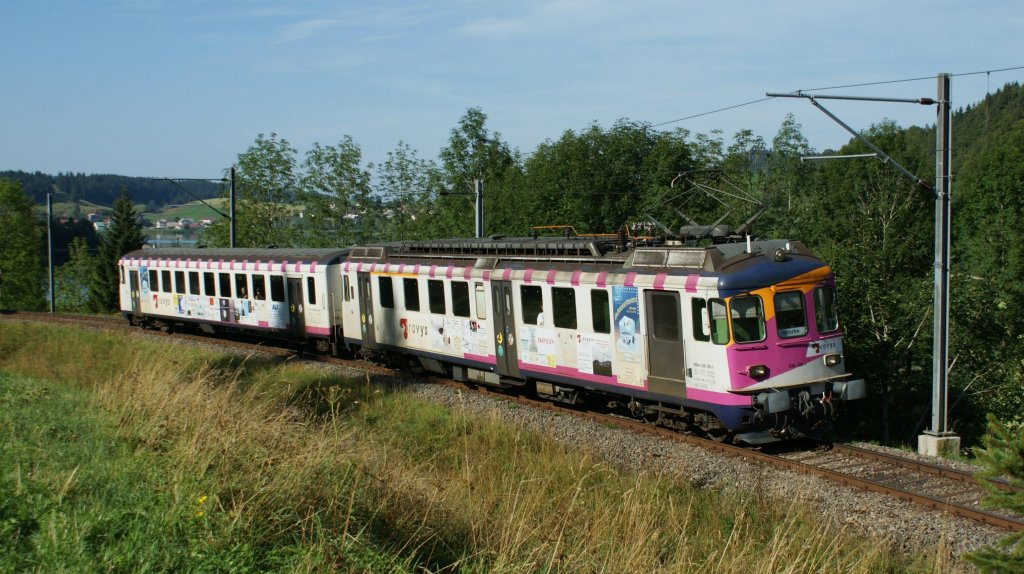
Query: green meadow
[[124, 455]]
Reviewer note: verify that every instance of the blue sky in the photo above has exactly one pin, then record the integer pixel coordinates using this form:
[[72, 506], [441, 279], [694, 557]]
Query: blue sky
[[179, 88]]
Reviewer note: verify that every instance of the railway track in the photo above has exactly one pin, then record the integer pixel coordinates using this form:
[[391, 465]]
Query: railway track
[[935, 486]]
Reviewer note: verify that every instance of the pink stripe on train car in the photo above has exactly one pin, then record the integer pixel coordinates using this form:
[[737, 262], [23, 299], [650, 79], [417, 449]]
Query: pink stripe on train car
[[433, 269], [487, 275], [659, 280], [602, 279], [528, 276], [630, 278], [312, 267], [575, 281], [467, 272], [448, 271], [506, 274], [691, 283], [489, 359], [551, 277]]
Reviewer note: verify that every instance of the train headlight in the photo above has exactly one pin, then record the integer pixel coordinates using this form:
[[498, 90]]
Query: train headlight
[[833, 359], [757, 371]]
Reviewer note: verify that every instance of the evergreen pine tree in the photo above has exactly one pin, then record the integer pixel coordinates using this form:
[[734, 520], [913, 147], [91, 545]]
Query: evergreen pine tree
[[124, 234], [22, 273], [1003, 456]]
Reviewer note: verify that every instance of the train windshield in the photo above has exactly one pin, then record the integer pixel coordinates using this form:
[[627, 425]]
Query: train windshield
[[747, 317], [825, 312], [790, 318]]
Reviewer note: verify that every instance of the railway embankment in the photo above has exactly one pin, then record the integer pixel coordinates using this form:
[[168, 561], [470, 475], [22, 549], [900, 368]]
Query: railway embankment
[[268, 463]]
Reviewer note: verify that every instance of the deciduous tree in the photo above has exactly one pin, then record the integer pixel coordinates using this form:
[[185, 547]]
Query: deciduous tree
[[266, 186], [335, 194]]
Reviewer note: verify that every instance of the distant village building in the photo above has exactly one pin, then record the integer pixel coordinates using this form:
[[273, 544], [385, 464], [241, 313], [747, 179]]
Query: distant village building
[[161, 224]]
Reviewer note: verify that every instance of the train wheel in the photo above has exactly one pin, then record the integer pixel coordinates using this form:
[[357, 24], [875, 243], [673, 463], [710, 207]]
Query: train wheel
[[653, 417], [721, 435]]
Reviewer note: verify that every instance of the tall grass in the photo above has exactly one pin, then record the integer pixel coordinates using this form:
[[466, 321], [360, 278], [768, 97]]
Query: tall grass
[[348, 475]]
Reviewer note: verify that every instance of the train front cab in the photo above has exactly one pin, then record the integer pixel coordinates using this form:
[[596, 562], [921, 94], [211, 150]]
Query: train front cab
[[785, 355]]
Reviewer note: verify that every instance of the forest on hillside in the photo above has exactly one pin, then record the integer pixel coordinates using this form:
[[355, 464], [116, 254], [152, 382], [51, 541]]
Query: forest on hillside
[[871, 223], [103, 189]]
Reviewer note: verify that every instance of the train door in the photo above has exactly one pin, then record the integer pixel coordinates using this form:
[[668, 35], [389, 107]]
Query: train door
[[133, 285], [365, 290], [504, 329], [296, 310], [665, 356]]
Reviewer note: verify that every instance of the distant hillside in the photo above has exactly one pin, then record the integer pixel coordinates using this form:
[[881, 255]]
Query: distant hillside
[[974, 127], [104, 189]]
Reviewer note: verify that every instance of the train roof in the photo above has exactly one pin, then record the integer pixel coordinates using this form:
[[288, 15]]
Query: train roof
[[603, 252], [319, 256], [739, 266]]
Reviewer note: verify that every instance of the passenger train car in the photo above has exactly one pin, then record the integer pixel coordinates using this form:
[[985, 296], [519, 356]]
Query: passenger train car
[[735, 340], [281, 292]]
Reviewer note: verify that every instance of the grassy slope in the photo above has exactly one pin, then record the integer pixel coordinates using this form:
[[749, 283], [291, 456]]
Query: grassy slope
[[294, 469]]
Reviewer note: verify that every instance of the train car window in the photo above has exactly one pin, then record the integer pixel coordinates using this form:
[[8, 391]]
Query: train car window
[[698, 312], [790, 316], [259, 287], [600, 311], [411, 290], [241, 286], [154, 280], [193, 282], [719, 322], [344, 287], [179, 282], [435, 296], [225, 285], [533, 304], [665, 315], [311, 290], [387, 292], [460, 298], [121, 268], [747, 319], [209, 285], [165, 281], [825, 313], [563, 303], [277, 288], [481, 300]]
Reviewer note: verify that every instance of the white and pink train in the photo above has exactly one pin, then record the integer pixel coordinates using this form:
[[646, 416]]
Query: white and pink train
[[736, 340]]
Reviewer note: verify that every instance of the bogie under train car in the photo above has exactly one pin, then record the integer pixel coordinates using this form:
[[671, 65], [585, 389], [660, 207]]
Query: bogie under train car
[[735, 340]]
